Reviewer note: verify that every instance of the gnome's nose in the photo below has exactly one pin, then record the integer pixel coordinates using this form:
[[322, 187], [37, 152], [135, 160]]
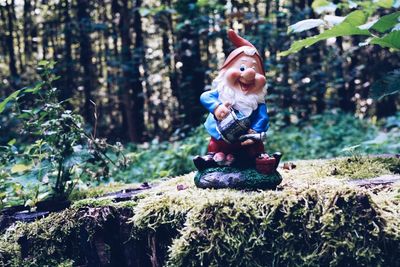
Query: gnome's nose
[[249, 75]]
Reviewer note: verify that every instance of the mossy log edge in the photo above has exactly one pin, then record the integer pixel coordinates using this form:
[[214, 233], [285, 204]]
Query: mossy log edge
[[177, 224]]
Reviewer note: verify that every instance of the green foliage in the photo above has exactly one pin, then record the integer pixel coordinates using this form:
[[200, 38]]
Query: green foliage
[[328, 135], [156, 160], [386, 23], [60, 154], [353, 24], [348, 27], [391, 40]]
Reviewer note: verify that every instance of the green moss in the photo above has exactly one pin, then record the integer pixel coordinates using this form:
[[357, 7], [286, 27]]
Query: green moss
[[9, 250], [392, 164], [314, 219], [92, 202], [100, 190], [308, 227], [42, 242], [357, 167]]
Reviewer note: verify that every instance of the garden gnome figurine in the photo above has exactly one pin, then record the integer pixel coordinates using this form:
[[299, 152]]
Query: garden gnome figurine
[[238, 117]]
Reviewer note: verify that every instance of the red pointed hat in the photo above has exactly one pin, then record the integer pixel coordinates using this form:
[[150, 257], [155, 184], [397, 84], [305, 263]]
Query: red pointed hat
[[243, 46]]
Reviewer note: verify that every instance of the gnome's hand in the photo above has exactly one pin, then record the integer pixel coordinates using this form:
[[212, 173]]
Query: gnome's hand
[[222, 111], [248, 141]]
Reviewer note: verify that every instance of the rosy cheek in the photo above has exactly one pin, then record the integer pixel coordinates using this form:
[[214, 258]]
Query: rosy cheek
[[260, 81], [232, 75]]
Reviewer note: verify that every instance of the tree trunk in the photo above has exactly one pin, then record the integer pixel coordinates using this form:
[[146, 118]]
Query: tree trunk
[[131, 86], [191, 79], [27, 31], [10, 44], [67, 78], [138, 59], [86, 55]]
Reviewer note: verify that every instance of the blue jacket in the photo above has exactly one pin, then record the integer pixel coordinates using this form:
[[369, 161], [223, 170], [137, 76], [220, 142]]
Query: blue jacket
[[259, 117]]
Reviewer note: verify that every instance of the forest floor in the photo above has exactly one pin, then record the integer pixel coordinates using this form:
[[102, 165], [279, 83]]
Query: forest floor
[[336, 211]]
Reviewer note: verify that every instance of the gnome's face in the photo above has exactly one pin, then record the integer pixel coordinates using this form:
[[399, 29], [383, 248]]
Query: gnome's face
[[243, 68], [244, 73]]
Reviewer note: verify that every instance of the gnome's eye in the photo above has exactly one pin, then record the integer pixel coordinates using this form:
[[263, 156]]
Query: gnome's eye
[[242, 67]]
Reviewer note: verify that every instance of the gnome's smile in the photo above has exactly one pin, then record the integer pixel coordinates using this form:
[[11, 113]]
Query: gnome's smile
[[246, 87]]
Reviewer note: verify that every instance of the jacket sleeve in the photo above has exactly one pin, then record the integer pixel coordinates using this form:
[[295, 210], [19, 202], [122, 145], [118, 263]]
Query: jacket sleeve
[[210, 100], [261, 120]]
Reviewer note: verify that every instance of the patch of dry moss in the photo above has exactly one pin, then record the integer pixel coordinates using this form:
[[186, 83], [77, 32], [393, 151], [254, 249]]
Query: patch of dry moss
[[93, 192], [314, 219], [363, 167]]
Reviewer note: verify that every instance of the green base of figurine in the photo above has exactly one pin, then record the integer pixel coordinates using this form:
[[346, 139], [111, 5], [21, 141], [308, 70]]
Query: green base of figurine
[[228, 177]]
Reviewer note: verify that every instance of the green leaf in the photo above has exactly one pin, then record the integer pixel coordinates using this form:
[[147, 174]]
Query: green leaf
[[386, 22], [30, 203], [34, 89], [144, 11], [347, 27], [12, 142], [42, 196], [391, 40], [43, 62], [8, 99], [319, 3], [20, 168], [320, 6], [385, 3], [305, 25]]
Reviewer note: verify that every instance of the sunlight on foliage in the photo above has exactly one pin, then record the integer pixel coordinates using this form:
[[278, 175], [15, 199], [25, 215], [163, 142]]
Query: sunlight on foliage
[[352, 25]]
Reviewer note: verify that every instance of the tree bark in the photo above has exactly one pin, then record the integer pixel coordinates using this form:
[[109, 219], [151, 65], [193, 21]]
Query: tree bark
[[191, 78], [27, 31], [10, 44], [131, 86], [67, 79], [86, 55]]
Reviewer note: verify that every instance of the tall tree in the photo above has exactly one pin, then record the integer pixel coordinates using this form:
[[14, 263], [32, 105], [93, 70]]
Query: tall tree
[[28, 30], [86, 55], [132, 89], [66, 81], [10, 7], [191, 79]]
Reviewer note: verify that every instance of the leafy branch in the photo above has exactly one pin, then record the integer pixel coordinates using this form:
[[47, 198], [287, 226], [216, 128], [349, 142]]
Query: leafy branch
[[383, 31]]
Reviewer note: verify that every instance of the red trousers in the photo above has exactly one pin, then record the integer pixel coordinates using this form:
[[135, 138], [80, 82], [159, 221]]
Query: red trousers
[[251, 151]]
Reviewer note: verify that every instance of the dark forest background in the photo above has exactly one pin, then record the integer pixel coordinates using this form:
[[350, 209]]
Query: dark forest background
[[142, 65]]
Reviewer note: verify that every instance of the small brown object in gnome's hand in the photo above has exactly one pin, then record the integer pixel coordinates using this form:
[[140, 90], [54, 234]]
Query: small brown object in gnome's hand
[[238, 116]]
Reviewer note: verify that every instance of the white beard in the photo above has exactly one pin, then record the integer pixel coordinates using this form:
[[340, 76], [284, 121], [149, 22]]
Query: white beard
[[244, 103]]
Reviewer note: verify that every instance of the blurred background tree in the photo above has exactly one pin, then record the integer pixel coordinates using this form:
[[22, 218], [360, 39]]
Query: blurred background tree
[[145, 63]]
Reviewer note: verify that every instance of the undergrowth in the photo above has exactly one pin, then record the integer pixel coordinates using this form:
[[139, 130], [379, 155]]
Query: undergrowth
[[324, 136]]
